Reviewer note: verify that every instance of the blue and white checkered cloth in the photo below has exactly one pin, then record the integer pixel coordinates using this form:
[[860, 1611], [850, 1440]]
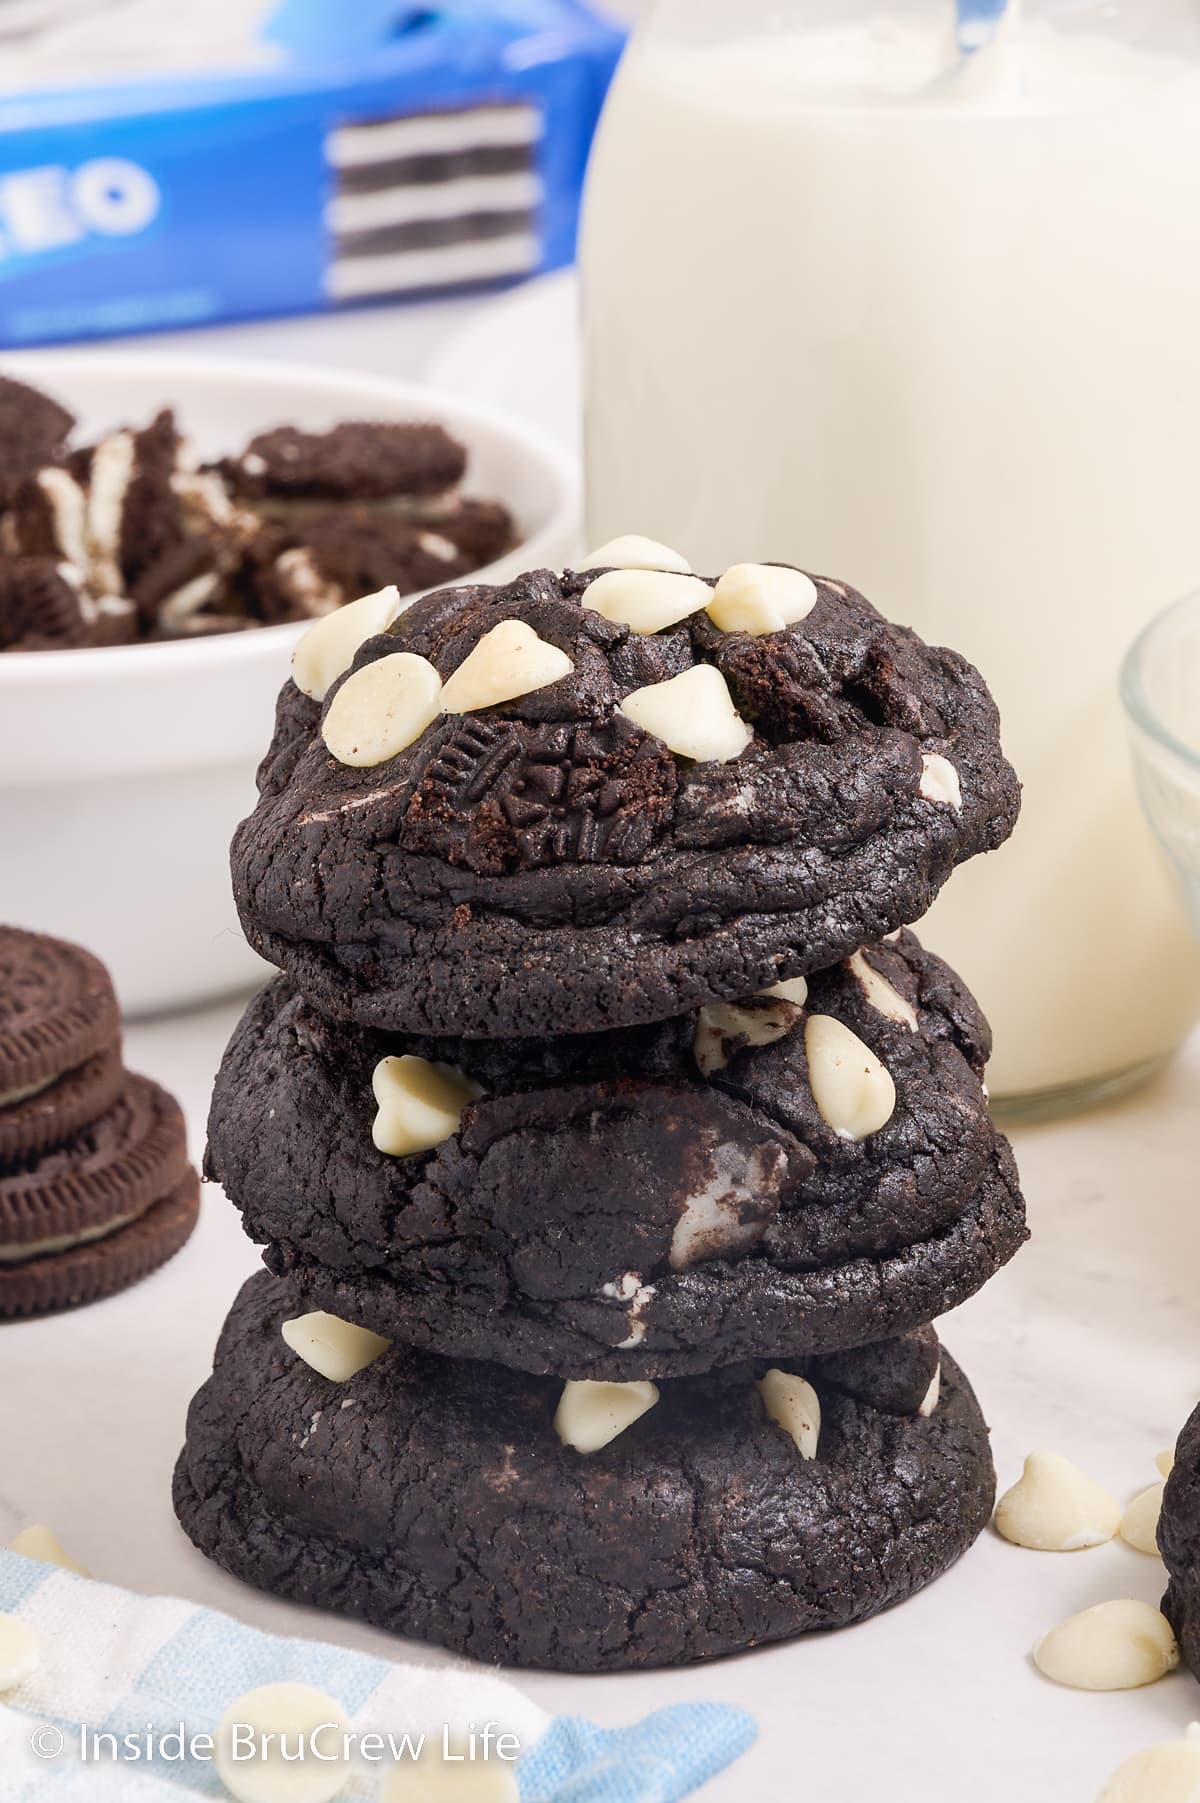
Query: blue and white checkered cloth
[[123, 1664]]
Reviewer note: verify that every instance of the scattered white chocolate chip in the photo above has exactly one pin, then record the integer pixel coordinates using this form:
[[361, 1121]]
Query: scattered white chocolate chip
[[932, 1396], [420, 1104], [508, 662], [793, 1405], [633, 552], [257, 1741], [1139, 1524], [590, 1414], [1115, 1646], [381, 709], [1166, 1773], [646, 600], [40, 1542], [723, 1024], [331, 644], [1056, 1508], [336, 1348], [693, 714], [792, 989], [881, 995], [761, 597], [1166, 1461], [939, 780], [854, 1092], [433, 1779], [18, 1652]]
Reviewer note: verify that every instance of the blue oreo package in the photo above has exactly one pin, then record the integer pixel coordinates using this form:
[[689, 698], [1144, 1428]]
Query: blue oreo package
[[275, 159]]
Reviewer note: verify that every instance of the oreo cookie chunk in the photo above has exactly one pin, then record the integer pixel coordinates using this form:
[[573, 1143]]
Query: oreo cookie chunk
[[100, 1209], [309, 567], [509, 1518], [136, 517], [578, 807], [549, 1203], [33, 432], [1179, 1543], [359, 460], [50, 606], [60, 1042]]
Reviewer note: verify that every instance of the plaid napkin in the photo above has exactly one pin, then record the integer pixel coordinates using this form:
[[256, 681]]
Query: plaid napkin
[[127, 1664]]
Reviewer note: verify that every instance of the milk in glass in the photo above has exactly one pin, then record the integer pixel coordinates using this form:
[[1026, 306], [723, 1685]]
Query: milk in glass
[[930, 321]]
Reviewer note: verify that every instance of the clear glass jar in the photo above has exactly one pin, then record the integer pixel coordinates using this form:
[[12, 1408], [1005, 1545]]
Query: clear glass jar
[[927, 320]]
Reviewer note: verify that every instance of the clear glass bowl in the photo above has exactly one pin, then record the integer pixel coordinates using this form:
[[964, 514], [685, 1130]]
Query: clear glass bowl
[[1160, 687]]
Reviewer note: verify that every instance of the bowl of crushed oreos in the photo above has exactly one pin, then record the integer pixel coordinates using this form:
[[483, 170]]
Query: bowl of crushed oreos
[[168, 528]]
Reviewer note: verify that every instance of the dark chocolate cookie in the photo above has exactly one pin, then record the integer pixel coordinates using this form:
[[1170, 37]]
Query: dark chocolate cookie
[[435, 1498], [596, 1170], [686, 1322], [549, 866], [57, 1011], [1179, 1543]]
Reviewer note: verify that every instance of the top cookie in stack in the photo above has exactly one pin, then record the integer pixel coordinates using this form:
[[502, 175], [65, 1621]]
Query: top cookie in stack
[[600, 799]]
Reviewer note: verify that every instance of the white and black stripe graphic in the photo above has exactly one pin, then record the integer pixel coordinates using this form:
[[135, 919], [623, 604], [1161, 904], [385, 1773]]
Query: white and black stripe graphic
[[433, 200]]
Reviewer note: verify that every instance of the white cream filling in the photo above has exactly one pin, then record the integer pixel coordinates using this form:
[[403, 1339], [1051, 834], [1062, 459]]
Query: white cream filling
[[298, 571], [68, 510], [62, 1242], [190, 597], [111, 472]]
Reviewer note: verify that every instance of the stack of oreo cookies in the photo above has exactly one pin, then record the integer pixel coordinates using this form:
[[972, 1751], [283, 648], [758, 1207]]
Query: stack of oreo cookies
[[613, 1143], [95, 1186]]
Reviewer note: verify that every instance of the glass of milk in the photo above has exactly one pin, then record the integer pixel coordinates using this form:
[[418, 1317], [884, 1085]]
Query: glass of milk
[[927, 317]]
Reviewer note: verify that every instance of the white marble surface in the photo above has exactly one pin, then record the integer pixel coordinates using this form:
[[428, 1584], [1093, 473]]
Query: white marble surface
[[1087, 1344]]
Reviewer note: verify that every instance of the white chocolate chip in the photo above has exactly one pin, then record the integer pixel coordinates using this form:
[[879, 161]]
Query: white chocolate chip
[[1115, 1646], [420, 1104], [1166, 1461], [1056, 1508], [854, 1092], [793, 1405], [331, 644], [647, 601], [255, 1769], [381, 709], [939, 781], [693, 714], [18, 1652], [508, 662], [432, 1779], [590, 1415], [932, 1396], [337, 1349], [723, 1024], [633, 552], [1166, 1773], [761, 597], [41, 1543], [880, 994], [1139, 1524], [792, 989]]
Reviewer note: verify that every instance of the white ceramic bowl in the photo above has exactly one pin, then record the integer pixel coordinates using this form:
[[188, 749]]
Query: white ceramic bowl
[[123, 772]]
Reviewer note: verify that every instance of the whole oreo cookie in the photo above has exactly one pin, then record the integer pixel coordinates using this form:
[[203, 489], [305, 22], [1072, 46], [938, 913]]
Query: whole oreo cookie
[[548, 865], [436, 1499], [66, 1213], [589, 1176], [57, 1012]]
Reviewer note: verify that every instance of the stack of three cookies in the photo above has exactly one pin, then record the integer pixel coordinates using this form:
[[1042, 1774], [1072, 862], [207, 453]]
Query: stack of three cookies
[[612, 1143]]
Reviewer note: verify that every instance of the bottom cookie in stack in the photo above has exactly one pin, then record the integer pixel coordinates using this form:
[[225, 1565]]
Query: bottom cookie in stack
[[579, 1527], [95, 1186]]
